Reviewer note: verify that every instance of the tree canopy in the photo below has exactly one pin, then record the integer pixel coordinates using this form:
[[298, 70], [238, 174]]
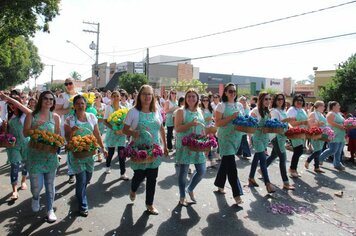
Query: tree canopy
[[184, 85], [76, 76], [343, 86], [132, 82]]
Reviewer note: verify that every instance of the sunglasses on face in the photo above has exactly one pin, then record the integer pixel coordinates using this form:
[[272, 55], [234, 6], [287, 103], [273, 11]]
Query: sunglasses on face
[[231, 91], [69, 83], [280, 99], [205, 100], [216, 97], [47, 99], [267, 99], [173, 93], [299, 100]]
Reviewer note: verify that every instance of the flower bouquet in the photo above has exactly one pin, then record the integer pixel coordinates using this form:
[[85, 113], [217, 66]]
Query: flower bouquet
[[83, 146], [313, 133], [350, 123], [45, 141], [296, 133], [7, 140], [246, 124], [274, 126], [141, 153], [116, 119], [211, 128], [199, 143], [327, 135]]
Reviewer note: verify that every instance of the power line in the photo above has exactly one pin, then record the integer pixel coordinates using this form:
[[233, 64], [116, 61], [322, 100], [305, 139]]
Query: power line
[[64, 62], [240, 28], [258, 48]]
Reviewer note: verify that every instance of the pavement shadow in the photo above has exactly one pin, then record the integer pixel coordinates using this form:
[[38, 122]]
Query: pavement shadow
[[128, 227], [225, 221], [169, 181], [175, 225], [5, 169], [341, 174], [311, 194]]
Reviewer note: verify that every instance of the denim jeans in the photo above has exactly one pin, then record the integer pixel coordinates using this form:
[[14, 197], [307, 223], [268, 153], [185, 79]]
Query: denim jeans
[[83, 178], [228, 167], [244, 149], [314, 156], [14, 171], [69, 164], [37, 181], [151, 179], [111, 151], [259, 157], [334, 149], [297, 152], [282, 160], [196, 178]]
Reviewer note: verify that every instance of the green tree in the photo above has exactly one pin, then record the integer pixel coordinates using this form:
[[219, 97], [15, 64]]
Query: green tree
[[270, 91], [184, 85], [76, 76], [55, 86], [25, 17], [132, 82], [343, 86]]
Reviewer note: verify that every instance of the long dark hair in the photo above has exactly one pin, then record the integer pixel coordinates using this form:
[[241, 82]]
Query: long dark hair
[[224, 97], [262, 110], [40, 100], [78, 97], [210, 108], [296, 97], [138, 104], [10, 112], [275, 99]]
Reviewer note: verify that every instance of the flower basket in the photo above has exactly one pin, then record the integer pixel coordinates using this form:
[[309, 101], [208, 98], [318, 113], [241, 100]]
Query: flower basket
[[268, 130], [328, 134], [313, 133], [296, 136], [142, 153], [7, 140], [199, 143], [43, 147], [83, 155], [246, 129], [350, 123]]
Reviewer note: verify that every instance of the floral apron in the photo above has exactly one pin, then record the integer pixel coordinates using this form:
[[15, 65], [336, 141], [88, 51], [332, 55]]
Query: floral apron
[[114, 140], [148, 122], [207, 114], [318, 144], [82, 164], [183, 154], [229, 138], [260, 139], [169, 115], [39, 162], [339, 133], [301, 116], [17, 153]]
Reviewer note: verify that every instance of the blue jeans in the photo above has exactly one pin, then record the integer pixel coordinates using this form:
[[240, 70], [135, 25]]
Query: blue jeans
[[83, 178], [14, 171], [315, 156], [69, 164], [196, 178], [37, 181], [259, 157], [282, 160], [334, 149], [244, 149]]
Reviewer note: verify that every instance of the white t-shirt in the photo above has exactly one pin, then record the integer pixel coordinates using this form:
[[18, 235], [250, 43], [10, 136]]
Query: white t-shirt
[[257, 114], [107, 100], [292, 112], [3, 110], [214, 106], [108, 111], [221, 107], [126, 104], [133, 116], [91, 118], [276, 114]]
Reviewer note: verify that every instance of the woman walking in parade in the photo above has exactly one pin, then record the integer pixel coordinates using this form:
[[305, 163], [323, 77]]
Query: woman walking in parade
[[82, 123], [260, 142], [144, 124], [244, 151], [169, 107], [301, 120], [188, 120], [114, 138], [17, 154], [317, 119], [100, 109], [41, 165], [336, 146], [279, 141], [229, 141]]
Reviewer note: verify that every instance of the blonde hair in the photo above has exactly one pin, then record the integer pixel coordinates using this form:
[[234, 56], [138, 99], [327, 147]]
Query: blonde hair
[[317, 104]]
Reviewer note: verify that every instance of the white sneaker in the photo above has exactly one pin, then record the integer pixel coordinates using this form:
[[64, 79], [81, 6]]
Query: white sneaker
[[35, 205], [108, 171], [51, 217], [124, 177]]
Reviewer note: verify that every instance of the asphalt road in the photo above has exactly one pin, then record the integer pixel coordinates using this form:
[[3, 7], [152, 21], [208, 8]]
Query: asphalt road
[[312, 209]]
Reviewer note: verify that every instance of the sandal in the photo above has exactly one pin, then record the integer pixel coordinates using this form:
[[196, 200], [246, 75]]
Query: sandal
[[192, 197], [132, 196], [220, 190], [14, 196], [252, 182], [238, 200], [288, 187], [318, 170], [270, 188], [84, 213], [183, 202], [23, 186], [152, 210]]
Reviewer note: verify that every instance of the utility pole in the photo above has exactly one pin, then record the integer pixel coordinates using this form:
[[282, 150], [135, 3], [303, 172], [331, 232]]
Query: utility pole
[[51, 74], [94, 46], [148, 64]]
